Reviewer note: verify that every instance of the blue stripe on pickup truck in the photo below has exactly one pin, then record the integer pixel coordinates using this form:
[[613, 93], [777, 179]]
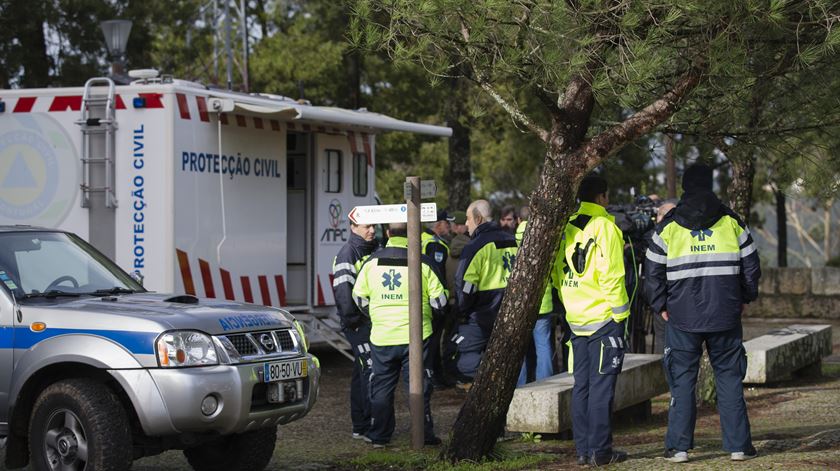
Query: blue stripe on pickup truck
[[135, 342]]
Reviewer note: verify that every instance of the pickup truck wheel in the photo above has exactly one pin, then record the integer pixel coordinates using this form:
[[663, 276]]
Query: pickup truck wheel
[[249, 451], [79, 425]]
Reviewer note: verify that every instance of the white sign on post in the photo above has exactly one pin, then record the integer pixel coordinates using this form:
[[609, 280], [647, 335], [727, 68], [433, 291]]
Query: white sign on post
[[388, 213]]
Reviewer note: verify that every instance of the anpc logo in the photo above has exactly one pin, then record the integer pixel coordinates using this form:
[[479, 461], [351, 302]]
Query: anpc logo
[[335, 234], [38, 174], [391, 280], [702, 234]]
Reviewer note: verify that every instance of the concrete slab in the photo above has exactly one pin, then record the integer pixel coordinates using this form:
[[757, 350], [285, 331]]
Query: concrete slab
[[777, 354], [545, 406]]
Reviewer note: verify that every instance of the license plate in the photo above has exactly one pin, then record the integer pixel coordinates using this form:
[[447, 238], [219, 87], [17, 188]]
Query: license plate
[[283, 370]]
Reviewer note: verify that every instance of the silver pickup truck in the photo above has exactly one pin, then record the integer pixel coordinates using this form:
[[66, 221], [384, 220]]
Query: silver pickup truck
[[96, 372]]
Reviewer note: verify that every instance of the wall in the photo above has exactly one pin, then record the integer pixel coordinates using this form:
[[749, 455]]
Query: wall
[[798, 292]]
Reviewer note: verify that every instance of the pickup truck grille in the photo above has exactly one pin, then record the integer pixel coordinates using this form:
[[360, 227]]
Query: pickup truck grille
[[256, 345], [242, 344]]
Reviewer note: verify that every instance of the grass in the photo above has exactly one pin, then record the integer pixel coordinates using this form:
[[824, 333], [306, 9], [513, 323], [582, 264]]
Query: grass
[[502, 459]]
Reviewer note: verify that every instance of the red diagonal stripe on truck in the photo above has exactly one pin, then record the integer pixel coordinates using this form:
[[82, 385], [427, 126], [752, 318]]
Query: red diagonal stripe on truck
[[118, 103], [206, 279], [354, 148], [153, 100], [24, 104], [246, 289], [186, 274], [202, 109], [63, 103], [321, 301], [183, 107], [281, 289], [368, 153], [266, 295], [227, 284]]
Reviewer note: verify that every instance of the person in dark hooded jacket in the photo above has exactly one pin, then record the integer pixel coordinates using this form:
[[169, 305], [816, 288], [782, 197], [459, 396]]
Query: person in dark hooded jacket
[[354, 323], [702, 267]]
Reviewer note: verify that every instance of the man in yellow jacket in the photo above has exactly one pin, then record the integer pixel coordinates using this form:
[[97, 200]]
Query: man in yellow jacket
[[381, 291], [589, 274]]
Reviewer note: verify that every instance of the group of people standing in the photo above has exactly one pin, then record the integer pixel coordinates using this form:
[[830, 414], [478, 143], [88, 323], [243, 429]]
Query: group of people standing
[[700, 269]]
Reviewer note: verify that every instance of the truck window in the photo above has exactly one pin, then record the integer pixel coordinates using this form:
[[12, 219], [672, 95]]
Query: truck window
[[360, 175], [38, 268], [333, 184]]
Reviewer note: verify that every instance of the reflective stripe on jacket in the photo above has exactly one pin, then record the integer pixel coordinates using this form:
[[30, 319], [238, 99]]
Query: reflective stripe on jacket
[[483, 273], [594, 292], [382, 290], [547, 303], [702, 277]]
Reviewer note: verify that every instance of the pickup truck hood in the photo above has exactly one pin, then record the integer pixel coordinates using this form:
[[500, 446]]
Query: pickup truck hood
[[149, 312]]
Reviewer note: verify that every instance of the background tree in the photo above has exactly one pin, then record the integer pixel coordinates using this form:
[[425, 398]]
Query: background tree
[[577, 58]]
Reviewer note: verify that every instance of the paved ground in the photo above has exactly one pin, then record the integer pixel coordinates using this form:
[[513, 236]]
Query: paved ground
[[796, 425]]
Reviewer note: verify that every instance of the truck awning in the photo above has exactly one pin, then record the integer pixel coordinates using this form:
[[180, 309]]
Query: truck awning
[[340, 116], [288, 110]]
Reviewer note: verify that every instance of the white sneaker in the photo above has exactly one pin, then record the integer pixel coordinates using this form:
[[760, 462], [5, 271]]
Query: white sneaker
[[358, 436], [741, 456], [677, 456]]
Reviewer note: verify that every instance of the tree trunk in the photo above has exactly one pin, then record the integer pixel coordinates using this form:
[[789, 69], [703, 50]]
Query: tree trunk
[[781, 228], [482, 418], [36, 66], [740, 191], [459, 178], [670, 168]]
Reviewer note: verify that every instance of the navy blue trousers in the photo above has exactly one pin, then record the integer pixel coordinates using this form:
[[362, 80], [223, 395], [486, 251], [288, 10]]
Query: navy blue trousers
[[360, 378], [597, 362], [388, 363], [729, 361], [471, 341]]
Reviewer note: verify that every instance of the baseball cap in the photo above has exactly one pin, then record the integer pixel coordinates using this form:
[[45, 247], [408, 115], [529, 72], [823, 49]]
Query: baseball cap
[[444, 216], [459, 217]]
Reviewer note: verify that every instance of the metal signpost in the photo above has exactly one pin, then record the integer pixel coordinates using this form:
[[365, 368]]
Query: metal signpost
[[415, 313], [412, 213]]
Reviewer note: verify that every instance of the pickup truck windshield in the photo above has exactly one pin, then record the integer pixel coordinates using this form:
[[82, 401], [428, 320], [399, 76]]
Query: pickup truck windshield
[[55, 264]]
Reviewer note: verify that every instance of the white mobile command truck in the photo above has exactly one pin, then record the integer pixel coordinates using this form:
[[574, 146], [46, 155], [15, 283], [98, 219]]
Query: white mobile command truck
[[223, 197]]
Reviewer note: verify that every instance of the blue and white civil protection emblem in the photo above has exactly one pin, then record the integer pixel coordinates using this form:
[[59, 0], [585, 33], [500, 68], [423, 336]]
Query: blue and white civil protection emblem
[[38, 170]]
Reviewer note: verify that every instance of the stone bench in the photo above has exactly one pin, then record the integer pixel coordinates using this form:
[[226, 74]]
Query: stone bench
[[544, 406], [776, 355]]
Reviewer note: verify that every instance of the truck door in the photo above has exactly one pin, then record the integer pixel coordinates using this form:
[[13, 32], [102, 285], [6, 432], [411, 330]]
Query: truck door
[[298, 248], [7, 337]]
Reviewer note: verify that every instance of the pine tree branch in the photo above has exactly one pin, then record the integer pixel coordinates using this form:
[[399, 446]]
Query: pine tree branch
[[642, 122], [512, 109]]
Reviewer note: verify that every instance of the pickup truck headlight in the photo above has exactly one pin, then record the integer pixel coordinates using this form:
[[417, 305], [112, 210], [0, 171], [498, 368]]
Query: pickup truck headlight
[[185, 348]]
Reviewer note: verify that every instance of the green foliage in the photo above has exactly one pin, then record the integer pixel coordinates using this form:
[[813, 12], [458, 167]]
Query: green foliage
[[60, 43], [530, 437]]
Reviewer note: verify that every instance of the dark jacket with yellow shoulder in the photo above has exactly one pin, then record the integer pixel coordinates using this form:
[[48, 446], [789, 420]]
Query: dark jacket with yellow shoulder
[[702, 265]]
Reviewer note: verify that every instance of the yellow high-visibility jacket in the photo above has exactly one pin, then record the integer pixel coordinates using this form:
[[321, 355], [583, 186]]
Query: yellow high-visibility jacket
[[547, 304], [381, 290], [589, 270]]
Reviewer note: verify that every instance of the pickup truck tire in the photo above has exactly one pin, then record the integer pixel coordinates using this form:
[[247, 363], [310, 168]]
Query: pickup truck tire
[[79, 424], [249, 451]]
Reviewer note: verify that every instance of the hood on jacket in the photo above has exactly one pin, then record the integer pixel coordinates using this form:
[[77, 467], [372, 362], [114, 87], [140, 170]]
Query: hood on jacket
[[698, 210]]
